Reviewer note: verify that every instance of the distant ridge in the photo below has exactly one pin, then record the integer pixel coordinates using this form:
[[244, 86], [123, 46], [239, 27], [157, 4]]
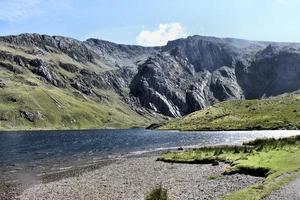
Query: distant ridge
[[145, 83]]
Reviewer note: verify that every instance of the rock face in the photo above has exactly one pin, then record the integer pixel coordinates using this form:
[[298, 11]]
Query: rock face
[[184, 76], [190, 74], [274, 70], [44, 70]]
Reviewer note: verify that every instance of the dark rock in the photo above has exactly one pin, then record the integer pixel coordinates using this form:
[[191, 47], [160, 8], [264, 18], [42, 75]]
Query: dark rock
[[81, 86], [3, 118], [27, 115], [180, 149], [2, 85], [153, 126], [69, 67], [12, 99], [215, 163], [15, 61], [32, 117], [11, 67]]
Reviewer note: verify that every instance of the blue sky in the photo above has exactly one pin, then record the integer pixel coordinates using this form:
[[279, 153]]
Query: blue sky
[[153, 22]]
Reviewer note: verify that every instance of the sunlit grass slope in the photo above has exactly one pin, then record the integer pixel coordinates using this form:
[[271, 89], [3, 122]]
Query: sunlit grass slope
[[61, 109], [273, 113], [51, 107]]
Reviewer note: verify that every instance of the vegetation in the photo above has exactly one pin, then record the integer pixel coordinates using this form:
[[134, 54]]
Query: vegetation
[[268, 158], [50, 107], [56, 108], [158, 193], [212, 177], [273, 113]]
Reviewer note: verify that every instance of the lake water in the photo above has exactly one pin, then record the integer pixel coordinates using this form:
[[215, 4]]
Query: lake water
[[42, 151]]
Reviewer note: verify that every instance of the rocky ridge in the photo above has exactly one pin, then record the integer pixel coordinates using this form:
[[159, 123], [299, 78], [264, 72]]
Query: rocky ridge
[[183, 76]]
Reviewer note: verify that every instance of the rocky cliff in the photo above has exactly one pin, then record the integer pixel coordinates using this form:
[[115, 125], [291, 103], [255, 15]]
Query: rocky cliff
[[190, 74], [173, 80]]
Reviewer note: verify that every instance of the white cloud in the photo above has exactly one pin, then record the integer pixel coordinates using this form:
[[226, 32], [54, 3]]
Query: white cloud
[[11, 10], [162, 35]]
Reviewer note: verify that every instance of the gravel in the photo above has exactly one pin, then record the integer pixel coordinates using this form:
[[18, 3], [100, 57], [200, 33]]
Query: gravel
[[291, 191], [133, 178]]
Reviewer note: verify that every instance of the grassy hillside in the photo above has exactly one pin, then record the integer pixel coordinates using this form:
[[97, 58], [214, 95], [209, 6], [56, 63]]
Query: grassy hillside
[[273, 113], [53, 108], [277, 160], [29, 102]]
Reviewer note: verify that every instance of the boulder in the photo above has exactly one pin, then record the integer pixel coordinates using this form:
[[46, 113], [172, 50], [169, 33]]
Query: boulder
[[27, 115], [32, 117], [215, 163]]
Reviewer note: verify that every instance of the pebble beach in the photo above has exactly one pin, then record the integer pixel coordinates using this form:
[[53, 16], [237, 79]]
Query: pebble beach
[[132, 178]]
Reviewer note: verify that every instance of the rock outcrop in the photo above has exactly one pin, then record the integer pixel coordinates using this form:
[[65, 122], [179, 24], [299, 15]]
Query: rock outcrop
[[190, 74]]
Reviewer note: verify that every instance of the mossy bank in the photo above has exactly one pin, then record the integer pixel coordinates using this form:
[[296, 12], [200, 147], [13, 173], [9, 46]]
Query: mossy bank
[[277, 160]]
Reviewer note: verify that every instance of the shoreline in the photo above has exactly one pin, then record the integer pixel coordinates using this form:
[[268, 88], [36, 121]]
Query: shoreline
[[10, 189], [282, 128], [71, 129], [133, 177], [146, 160], [136, 175]]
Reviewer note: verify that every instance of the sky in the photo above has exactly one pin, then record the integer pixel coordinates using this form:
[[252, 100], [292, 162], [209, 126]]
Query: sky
[[153, 22]]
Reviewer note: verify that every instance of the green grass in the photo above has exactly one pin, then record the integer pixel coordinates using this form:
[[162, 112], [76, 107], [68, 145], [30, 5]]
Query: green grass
[[281, 112], [61, 109], [269, 158], [213, 177], [158, 193]]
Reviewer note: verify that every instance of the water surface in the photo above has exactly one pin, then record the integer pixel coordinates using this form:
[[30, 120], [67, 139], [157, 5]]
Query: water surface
[[52, 150]]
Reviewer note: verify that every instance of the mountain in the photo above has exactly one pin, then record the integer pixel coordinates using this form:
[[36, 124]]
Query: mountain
[[191, 74], [59, 82]]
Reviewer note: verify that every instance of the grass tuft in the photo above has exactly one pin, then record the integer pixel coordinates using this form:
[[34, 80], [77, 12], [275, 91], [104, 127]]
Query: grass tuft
[[158, 193]]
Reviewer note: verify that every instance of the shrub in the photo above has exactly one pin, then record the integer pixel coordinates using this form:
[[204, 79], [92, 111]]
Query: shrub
[[158, 193]]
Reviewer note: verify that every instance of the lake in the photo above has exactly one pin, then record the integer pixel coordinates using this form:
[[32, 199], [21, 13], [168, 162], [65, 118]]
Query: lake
[[42, 151]]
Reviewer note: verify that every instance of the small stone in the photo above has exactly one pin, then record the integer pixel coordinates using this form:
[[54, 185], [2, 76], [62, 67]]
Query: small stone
[[180, 149], [13, 99], [215, 163], [2, 85]]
